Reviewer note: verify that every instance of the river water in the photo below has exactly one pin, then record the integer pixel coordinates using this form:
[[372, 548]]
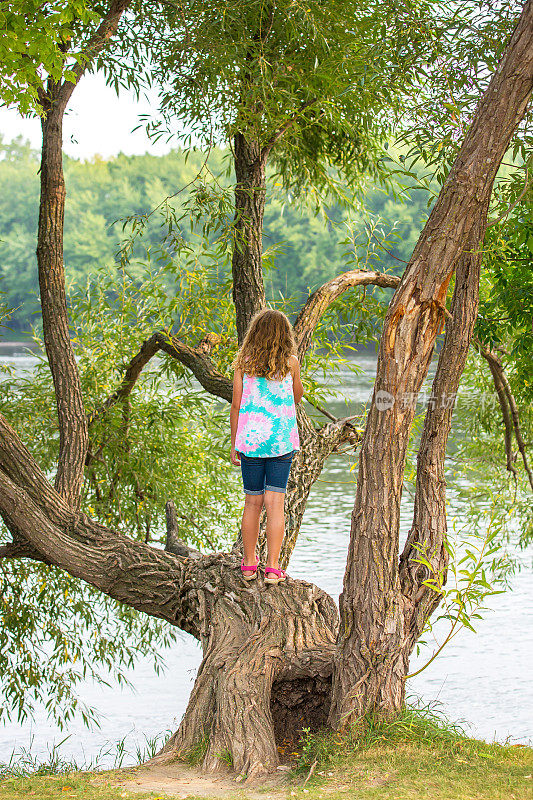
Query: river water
[[480, 680]]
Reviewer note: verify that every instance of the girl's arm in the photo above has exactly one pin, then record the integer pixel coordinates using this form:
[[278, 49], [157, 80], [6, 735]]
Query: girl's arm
[[297, 387], [235, 405]]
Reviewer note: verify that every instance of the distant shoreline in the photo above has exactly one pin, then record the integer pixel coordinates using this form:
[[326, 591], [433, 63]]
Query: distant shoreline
[[19, 343], [32, 346]]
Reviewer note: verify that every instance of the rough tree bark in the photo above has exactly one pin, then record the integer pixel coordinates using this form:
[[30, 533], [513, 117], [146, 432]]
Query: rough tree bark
[[377, 622], [429, 528], [259, 646]]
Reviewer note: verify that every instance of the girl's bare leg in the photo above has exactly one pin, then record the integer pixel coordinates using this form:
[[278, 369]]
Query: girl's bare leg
[[275, 527], [253, 503]]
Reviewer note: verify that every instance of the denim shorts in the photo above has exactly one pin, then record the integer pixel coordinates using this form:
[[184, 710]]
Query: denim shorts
[[261, 472]]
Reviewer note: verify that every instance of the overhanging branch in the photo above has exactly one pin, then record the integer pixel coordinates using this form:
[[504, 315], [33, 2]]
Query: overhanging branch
[[319, 301], [197, 358]]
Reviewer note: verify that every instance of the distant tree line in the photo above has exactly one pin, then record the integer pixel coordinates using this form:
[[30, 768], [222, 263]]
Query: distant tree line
[[308, 248]]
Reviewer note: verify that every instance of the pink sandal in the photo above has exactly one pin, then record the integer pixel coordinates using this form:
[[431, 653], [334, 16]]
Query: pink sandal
[[279, 572], [252, 567]]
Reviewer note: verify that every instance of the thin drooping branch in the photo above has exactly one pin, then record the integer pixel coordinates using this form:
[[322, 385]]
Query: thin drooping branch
[[507, 211], [506, 416], [508, 405], [428, 533]]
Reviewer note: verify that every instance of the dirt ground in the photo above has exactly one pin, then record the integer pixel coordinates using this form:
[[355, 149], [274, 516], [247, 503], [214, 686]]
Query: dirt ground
[[180, 780]]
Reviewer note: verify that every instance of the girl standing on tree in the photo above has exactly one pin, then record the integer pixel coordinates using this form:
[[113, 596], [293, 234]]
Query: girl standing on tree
[[264, 431]]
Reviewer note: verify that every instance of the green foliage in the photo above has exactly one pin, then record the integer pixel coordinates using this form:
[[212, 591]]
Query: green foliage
[[418, 753], [45, 652], [476, 557], [23, 763], [472, 36], [186, 428], [505, 317], [479, 457], [341, 82], [417, 724], [504, 326], [195, 754], [37, 43], [125, 487], [325, 76]]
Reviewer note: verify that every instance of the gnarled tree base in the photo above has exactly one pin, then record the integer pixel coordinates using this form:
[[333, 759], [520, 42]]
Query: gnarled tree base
[[265, 675]]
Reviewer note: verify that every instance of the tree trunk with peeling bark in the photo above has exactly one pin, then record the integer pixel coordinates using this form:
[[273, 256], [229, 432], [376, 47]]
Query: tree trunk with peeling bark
[[384, 603]]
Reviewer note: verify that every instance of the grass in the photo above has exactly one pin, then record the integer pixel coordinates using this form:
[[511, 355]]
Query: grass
[[418, 756], [52, 787], [26, 775]]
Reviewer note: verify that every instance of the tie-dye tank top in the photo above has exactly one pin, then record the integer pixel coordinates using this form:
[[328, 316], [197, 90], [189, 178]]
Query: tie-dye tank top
[[267, 417]]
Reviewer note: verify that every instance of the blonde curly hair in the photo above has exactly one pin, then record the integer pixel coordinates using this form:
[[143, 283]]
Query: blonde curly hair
[[267, 346]]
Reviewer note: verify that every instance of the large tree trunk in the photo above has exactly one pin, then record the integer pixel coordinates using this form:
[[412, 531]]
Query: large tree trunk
[[373, 647], [265, 674], [73, 431], [247, 268]]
